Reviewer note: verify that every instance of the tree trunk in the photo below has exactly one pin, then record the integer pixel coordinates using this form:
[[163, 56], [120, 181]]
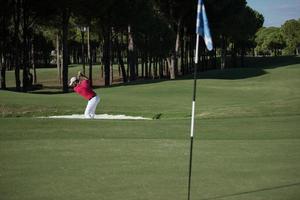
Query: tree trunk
[[143, 64], [25, 25], [3, 47], [233, 56], [171, 68], [176, 50], [82, 50], [161, 68], [65, 27], [243, 56], [58, 59], [3, 72], [150, 67], [16, 43], [155, 67], [95, 55], [131, 56], [182, 52], [106, 56], [171, 65], [61, 62], [111, 60], [137, 65], [185, 50], [223, 52], [191, 55], [146, 75], [33, 61], [89, 57], [121, 63]]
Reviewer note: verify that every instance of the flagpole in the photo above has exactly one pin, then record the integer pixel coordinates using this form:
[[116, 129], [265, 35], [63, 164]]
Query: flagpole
[[193, 116], [202, 29]]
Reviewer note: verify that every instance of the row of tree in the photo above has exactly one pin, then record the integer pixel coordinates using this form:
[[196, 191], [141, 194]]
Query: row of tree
[[146, 38], [284, 40]]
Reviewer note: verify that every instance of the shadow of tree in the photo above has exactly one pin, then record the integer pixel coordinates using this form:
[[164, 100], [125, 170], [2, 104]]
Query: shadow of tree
[[253, 191], [232, 74], [254, 66], [271, 62]]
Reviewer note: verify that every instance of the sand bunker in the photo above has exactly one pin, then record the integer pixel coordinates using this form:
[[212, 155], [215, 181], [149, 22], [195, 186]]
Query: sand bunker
[[102, 116]]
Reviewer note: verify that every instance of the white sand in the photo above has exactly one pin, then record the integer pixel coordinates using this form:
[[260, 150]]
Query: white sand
[[102, 116]]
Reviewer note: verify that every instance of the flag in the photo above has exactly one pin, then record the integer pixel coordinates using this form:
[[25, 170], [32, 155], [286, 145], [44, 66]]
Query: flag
[[202, 27]]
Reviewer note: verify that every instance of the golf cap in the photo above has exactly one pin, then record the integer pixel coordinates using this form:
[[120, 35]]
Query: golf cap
[[72, 80]]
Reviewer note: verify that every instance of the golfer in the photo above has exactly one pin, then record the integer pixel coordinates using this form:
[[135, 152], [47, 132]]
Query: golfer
[[81, 86]]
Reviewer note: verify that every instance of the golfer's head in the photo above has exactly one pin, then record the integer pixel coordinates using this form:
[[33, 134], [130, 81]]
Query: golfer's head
[[73, 82]]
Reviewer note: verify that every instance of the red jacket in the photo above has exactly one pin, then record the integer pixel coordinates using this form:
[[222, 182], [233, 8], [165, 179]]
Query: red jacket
[[84, 90]]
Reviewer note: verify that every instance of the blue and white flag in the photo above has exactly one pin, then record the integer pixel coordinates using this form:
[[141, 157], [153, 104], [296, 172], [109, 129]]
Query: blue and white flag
[[202, 27]]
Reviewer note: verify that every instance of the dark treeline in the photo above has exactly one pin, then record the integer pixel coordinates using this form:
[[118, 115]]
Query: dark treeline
[[145, 38]]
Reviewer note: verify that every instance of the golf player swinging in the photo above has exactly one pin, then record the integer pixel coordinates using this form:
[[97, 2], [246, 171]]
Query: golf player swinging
[[81, 86]]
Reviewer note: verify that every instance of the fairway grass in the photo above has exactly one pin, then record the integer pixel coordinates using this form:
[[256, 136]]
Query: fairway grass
[[246, 158], [247, 141]]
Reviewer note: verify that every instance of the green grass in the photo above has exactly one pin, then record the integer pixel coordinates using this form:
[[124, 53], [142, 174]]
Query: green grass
[[247, 140]]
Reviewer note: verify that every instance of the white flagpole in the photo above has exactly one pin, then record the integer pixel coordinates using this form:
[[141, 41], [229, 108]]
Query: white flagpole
[[203, 29], [195, 83], [193, 116], [197, 49]]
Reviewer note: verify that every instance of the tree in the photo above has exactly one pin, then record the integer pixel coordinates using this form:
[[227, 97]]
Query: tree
[[269, 41], [175, 11], [291, 34], [103, 12], [65, 60], [84, 16], [154, 40], [16, 7], [224, 20], [132, 11], [242, 38], [156, 37], [275, 42], [4, 33]]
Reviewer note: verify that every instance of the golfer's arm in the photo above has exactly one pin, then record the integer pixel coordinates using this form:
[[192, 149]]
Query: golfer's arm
[[82, 77]]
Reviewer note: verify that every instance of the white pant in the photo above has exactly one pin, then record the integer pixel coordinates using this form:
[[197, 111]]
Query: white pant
[[90, 109]]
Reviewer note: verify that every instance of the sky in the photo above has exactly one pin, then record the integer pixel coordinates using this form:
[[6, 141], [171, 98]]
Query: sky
[[276, 12]]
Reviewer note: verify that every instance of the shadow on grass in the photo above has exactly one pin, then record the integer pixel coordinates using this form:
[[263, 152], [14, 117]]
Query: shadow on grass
[[232, 74], [254, 66], [48, 90], [271, 62], [253, 191], [226, 74]]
